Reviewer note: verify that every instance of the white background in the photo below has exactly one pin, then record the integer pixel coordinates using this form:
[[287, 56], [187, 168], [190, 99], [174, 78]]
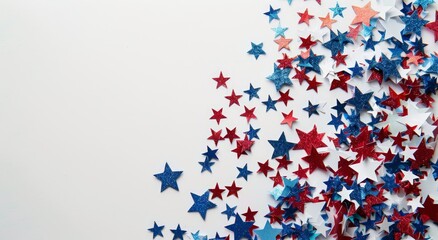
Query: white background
[[95, 96]]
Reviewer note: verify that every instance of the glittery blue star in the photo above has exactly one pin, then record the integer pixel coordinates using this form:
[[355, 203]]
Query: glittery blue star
[[413, 23], [240, 228], [256, 50], [356, 70], [388, 67], [229, 211], [168, 178], [433, 61], [206, 165], [396, 165], [156, 230], [178, 233], [252, 92], [336, 121], [267, 232], [311, 63], [337, 42], [279, 31], [270, 104], [280, 77], [201, 204], [342, 137], [423, 3], [390, 183], [281, 146], [360, 101], [217, 237], [430, 83], [340, 107], [272, 13], [368, 30], [311, 109], [244, 172], [370, 43], [252, 133], [337, 10], [210, 154]]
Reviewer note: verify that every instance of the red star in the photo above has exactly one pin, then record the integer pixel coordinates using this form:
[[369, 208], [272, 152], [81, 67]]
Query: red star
[[275, 214], [231, 134], [249, 114], [264, 168], [284, 97], [342, 82], [434, 26], [216, 192], [216, 136], [403, 222], [410, 131], [301, 75], [394, 99], [233, 189], [307, 42], [411, 87], [362, 145], [398, 140], [234, 99], [286, 62], [278, 180], [283, 163], [344, 168], [243, 146], [217, 115], [313, 84], [383, 133], [429, 210], [221, 80], [288, 118], [301, 172], [339, 58], [422, 155], [376, 75], [305, 17], [310, 140], [315, 160], [354, 32], [249, 215]]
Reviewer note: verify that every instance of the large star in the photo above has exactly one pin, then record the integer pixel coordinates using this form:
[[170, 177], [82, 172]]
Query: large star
[[281, 147], [310, 140], [240, 228], [280, 77], [201, 204], [363, 14], [360, 101], [434, 26], [366, 169], [315, 160], [414, 23], [168, 178]]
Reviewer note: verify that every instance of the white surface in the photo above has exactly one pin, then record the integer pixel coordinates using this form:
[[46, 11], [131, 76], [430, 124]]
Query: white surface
[[95, 96]]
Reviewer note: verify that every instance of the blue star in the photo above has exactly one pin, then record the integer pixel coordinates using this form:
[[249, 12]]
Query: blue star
[[217, 237], [229, 212], [435, 170], [419, 226], [396, 165], [337, 11], [423, 3], [280, 77], [211, 154], [413, 23], [342, 137], [281, 147], [388, 67], [337, 42], [201, 204], [196, 236], [270, 104], [370, 43], [418, 45], [360, 101], [340, 107], [178, 233], [368, 30], [311, 63], [356, 70], [336, 121], [156, 230], [360, 235], [311, 109], [287, 230], [430, 84], [168, 178], [390, 183], [240, 228], [273, 13], [244, 172], [371, 63], [267, 233], [279, 31], [252, 92], [256, 50], [433, 68], [252, 133], [206, 165]]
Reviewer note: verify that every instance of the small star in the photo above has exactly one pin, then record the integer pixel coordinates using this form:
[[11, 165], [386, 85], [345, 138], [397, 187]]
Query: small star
[[283, 43], [217, 115], [313, 84], [279, 31], [233, 189], [311, 109], [216, 192], [233, 98], [289, 118], [360, 101], [264, 168], [270, 104], [388, 67], [280, 77], [201, 204], [252, 92], [240, 228], [307, 42], [229, 211], [268, 232], [339, 59], [168, 178], [249, 215], [156, 230], [340, 107], [356, 70], [364, 14], [206, 165], [210, 154], [249, 114], [337, 10], [244, 172], [256, 50], [231, 134], [413, 23], [178, 233], [284, 97], [327, 21], [272, 13], [221, 80], [305, 17], [252, 133], [281, 146]]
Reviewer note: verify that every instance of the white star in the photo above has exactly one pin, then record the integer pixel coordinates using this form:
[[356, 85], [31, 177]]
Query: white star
[[393, 27], [384, 225], [415, 203], [428, 186], [408, 153], [409, 176], [366, 169], [345, 194]]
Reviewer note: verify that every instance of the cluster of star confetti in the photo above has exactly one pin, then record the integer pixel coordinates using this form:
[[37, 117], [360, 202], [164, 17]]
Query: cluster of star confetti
[[373, 175]]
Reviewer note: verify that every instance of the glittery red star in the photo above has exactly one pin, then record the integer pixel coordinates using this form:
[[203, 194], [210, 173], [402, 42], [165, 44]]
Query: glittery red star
[[434, 26], [354, 32], [310, 140], [342, 82], [233, 189], [264, 168], [249, 215], [313, 84], [422, 156], [307, 42], [216, 192], [217, 115], [288, 118], [285, 62], [231, 134], [283, 163], [394, 99], [305, 17], [339, 59], [315, 160], [277, 179], [221, 80], [249, 114], [284, 97], [301, 172], [216, 136], [233, 98], [301, 75]]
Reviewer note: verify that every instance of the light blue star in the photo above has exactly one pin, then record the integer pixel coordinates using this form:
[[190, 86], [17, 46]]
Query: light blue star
[[280, 77], [337, 11], [196, 236], [267, 233], [423, 3], [256, 50], [279, 31], [201, 204]]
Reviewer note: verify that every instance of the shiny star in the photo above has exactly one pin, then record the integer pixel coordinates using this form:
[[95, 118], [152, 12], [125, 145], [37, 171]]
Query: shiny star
[[256, 50], [201, 204], [168, 178]]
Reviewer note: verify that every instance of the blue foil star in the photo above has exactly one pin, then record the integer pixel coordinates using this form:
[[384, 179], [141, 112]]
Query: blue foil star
[[280, 77], [201, 204], [256, 50], [281, 146], [168, 178]]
